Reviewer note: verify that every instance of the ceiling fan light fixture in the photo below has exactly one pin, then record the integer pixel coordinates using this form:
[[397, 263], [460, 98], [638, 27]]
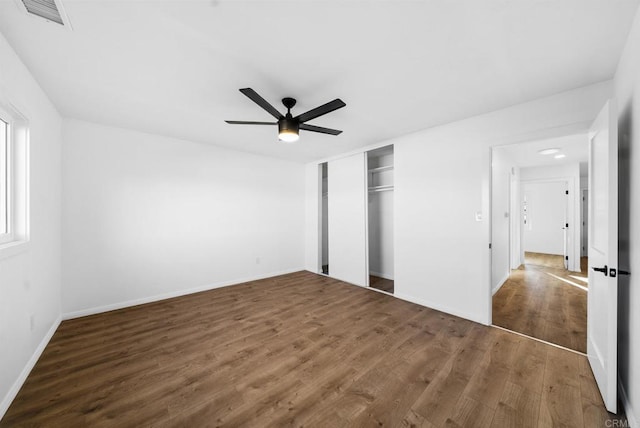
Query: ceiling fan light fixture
[[288, 137], [288, 130]]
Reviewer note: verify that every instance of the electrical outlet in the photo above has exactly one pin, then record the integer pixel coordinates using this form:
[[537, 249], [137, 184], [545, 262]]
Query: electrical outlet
[[32, 322], [257, 260]]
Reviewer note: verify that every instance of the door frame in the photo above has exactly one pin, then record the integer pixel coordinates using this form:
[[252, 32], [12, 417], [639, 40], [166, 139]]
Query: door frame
[[584, 221], [541, 134]]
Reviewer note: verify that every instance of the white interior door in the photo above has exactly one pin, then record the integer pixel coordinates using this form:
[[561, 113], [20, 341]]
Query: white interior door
[[545, 230], [602, 304], [347, 201]]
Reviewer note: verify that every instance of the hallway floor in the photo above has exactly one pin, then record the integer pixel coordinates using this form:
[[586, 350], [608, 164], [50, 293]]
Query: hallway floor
[[543, 300]]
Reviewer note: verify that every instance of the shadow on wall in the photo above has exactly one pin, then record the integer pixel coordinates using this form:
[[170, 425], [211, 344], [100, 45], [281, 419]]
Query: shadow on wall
[[624, 220]]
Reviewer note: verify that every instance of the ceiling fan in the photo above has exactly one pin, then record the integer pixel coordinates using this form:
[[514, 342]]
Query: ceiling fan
[[289, 126]]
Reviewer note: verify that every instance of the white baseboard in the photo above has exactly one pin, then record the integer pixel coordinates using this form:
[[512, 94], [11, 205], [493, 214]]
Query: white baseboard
[[500, 284], [420, 302], [13, 391], [381, 275], [178, 293], [628, 409], [440, 308]]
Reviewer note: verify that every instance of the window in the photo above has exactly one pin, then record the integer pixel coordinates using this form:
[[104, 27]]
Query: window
[[4, 179], [13, 176]]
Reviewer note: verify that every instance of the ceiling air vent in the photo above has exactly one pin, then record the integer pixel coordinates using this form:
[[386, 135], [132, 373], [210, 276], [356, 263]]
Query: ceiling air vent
[[51, 10]]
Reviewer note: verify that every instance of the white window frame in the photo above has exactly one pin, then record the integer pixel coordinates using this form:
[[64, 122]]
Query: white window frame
[[17, 177], [6, 234]]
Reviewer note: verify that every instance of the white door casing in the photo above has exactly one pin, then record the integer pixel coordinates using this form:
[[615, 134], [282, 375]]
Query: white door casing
[[602, 304], [565, 227], [347, 219], [585, 222]]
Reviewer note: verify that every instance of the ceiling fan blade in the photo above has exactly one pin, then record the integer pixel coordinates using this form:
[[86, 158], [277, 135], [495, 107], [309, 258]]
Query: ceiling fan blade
[[248, 122], [323, 109], [320, 129], [253, 95]]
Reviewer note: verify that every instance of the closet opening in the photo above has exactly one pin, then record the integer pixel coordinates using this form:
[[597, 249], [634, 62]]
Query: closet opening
[[324, 220], [380, 218]]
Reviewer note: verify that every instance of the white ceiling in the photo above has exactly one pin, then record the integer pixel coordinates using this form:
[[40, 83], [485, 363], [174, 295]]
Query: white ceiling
[[574, 147], [174, 67]]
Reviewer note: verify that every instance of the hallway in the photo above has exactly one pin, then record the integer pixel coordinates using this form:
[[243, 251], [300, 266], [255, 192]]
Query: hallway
[[543, 300]]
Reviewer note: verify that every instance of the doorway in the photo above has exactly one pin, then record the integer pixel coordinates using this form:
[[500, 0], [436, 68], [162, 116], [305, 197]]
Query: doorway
[[324, 219], [539, 288]]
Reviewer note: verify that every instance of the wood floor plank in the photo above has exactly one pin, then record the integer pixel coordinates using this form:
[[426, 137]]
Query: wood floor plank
[[518, 407], [561, 401], [415, 420], [438, 401], [406, 382], [487, 383], [470, 413], [299, 350], [528, 367]]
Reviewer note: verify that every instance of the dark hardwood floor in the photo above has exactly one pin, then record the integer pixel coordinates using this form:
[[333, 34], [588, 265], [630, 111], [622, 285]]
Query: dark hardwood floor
[[543, 300], [381, 283], [300, 350]]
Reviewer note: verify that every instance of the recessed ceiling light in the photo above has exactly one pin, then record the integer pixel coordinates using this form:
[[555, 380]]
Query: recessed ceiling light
[[559, 156], [548, 151]]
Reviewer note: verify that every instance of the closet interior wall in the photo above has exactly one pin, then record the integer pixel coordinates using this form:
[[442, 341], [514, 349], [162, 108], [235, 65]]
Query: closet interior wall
[[380, 217]]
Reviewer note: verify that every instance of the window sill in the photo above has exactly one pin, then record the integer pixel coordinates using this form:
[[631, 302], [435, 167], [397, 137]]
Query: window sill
[[14, 248]]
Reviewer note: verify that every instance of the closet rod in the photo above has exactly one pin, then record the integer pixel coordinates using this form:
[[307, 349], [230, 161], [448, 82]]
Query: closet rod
[[380, 169], [380, 189]]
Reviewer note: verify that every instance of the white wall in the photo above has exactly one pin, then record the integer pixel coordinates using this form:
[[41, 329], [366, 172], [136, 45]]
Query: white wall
[[30, 275], [442, 179], [312, 218], [502, 171], [571, 174], [147, 217], [627, 90]]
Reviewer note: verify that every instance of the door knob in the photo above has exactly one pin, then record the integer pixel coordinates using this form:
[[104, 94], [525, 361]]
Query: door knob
[[604, 270]]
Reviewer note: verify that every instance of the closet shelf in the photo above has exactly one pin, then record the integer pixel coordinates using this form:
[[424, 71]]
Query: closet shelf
[[380, 169], [381, 188]]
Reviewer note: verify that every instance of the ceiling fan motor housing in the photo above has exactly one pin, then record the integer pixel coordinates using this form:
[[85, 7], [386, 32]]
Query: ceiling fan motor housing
[[288, 124]]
